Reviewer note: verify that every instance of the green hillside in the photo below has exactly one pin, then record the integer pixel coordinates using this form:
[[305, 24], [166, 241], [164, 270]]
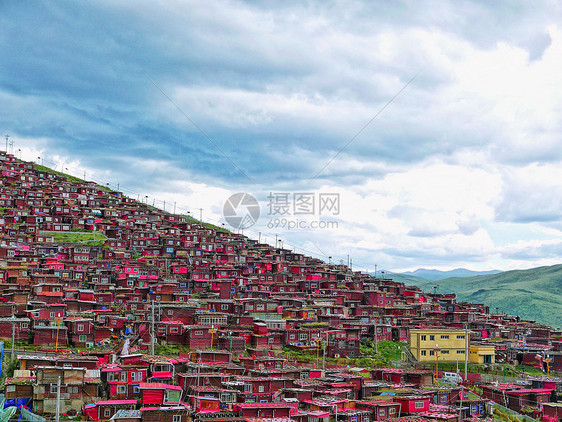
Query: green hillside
[[409, 280], [534, 294]]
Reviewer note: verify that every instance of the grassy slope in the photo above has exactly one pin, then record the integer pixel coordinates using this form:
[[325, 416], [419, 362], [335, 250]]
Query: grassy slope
[[533, 294], [68, 177]]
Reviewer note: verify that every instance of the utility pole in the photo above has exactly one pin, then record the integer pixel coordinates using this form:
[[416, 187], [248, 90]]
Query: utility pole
[[323, 355], [58, 328], [376, 342], [7, 137], [200, 214], [13, 337], [152, 334], [460, 410], [174, 207], [57, 409]]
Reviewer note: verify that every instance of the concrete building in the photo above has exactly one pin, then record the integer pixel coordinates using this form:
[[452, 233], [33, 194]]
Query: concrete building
[[447, 345], [482, 354]]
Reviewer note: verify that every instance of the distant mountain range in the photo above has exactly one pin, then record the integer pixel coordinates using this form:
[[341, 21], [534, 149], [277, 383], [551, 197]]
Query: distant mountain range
[[439, 275], [534, 294]]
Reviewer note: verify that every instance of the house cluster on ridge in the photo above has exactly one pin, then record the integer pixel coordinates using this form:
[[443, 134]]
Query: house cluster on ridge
[[232, 303]]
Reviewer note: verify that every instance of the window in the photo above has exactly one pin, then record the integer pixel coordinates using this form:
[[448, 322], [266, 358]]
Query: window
[[121, 389], [431, 337], [136, 389], [423, 353], [392, 411], [419, 404], [82, 338], [431, 353], [10, 388], [445, 337], [382, 412], [73, 389], [423, 337], [80, 327], [224, 307], [460, 352], [460, 337], [259, 307], [261, 389], [53, 389], [136, 376], [198, 333], [444, 352], [107, 413], [176, 418]]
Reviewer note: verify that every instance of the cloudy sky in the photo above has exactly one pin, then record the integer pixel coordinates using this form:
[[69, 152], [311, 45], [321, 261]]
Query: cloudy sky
[[437, 123]]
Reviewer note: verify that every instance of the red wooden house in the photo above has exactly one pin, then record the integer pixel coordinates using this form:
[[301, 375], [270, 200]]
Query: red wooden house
[[413, 404], [263, 410], [80, 332], [160, 393], [105, 409], [198, 337], [380, 409]]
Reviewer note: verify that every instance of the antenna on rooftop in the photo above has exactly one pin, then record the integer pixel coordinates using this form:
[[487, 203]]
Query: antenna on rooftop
[[7, 137]]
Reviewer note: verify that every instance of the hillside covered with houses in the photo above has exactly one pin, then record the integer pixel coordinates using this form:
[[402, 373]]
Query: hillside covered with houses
[[116, 310]]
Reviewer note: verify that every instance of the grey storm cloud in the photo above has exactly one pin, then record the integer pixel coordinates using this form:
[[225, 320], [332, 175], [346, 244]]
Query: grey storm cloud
[[280, 89]]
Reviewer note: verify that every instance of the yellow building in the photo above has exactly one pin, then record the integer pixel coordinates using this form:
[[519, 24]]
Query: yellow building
[[449, 344], [482, 354]]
